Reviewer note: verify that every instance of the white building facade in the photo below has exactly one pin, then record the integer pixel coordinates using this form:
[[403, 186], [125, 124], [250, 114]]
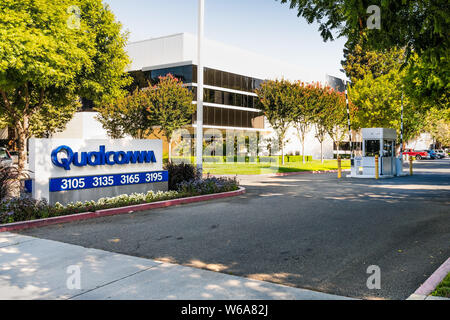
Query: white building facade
[[230, 77]]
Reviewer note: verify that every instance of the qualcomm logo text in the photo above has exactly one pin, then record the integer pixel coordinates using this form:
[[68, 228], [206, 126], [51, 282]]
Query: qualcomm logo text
[[100, 158]]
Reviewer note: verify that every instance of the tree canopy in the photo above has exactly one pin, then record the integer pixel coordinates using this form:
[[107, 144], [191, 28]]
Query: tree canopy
[[172, 107], [127, 116], [302, 112], [336, 115], [51, 53], [420, 27], [428, 83], [437, 123], [162, 108], [328, 114], [360, 61], [377, 103]]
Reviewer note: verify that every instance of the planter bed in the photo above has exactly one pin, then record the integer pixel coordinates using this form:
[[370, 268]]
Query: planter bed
[[115, 211]]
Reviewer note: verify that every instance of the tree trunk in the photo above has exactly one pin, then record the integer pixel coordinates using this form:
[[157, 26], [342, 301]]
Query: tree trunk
[[22, 143], [170, 150], [301, 131], [303, 149], [337, 148], [321, 151]]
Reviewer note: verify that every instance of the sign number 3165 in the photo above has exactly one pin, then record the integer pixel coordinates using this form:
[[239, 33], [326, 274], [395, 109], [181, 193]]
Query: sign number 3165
[[129, 179]]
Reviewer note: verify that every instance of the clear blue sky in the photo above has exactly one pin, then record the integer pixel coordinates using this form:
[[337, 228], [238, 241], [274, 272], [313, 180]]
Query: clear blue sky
[[262, 26]]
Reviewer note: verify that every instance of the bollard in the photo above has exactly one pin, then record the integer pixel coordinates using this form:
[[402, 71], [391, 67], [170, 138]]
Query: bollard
[[339, 167], [377, 173], [410, 165]]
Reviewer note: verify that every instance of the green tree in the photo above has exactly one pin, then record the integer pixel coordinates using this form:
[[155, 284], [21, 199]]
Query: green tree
[[52, 52], [128, 116], [359, 61], [277, 101], [51, 119], [336, 122], [302, 112], [437, 123], [162, 108], [421, 27], [417, 25], [378, 102], [428, 83], [171, 107], [328, 115]]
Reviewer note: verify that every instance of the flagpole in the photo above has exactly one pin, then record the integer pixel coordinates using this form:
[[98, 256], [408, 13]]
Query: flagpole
[[199, 128]]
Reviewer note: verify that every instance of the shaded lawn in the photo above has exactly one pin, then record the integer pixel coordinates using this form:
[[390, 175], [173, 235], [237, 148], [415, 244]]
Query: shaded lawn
[[264, 168]]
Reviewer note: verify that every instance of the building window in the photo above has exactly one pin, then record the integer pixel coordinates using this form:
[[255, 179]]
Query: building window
[[226, 98], [188, 74], [372, 148], [183, 73], [223, 117]]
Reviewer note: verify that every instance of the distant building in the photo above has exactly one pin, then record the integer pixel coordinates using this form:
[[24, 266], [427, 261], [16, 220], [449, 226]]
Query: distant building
[[230, 77]]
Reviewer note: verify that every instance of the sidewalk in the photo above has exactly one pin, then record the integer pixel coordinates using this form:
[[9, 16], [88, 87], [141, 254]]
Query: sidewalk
[[32, 268]]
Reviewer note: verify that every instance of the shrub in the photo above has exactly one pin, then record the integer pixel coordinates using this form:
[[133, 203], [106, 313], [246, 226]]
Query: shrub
[[179, 173], [209, 185], [23, 208], [26, 208]]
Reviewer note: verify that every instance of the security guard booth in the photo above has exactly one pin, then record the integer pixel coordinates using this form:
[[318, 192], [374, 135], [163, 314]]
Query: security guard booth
[[376, 141]]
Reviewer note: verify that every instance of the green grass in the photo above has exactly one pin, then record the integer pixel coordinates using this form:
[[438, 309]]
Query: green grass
[[443, 289], [264, 168]]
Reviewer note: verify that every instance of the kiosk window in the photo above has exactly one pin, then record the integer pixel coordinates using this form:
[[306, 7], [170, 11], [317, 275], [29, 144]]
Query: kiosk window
[[372, 148], [387, 149]]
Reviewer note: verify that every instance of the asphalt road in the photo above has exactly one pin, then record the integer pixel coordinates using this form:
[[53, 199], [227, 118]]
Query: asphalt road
[[308, 231]]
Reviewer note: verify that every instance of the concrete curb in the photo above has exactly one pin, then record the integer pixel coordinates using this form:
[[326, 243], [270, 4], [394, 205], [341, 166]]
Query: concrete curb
[[116, 211], [422, 293], [282, 174]]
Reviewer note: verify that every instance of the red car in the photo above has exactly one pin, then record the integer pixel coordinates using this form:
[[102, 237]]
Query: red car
[[419, 155]]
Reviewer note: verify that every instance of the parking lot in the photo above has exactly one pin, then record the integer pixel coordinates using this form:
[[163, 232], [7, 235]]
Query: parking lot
[[307, 231]]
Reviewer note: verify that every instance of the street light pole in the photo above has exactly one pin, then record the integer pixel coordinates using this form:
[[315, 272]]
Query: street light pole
[[199, 129]]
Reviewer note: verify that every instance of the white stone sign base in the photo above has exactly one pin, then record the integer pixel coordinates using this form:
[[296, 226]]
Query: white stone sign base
[[43, 169]]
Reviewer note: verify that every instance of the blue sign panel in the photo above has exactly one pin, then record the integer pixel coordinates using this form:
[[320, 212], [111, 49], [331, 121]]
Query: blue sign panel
[[109, 180], [28, 186]]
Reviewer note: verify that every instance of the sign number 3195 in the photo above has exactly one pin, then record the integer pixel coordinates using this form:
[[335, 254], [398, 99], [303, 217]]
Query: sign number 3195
[[152, 177]]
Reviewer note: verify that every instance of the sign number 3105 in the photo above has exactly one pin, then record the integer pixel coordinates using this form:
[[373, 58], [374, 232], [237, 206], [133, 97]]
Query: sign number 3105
[[68, 184]]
